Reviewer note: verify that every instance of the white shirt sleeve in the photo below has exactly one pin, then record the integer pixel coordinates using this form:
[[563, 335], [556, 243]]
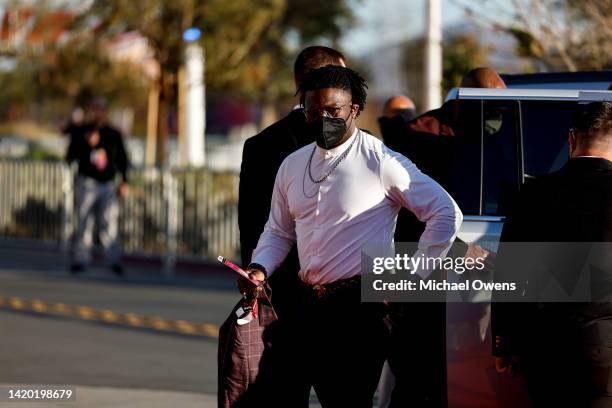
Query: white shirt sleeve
[[407, 186], [279, 232]]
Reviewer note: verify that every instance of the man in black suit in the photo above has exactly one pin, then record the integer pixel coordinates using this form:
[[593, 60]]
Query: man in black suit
[[418, 341], [262, 156], [563, 349]]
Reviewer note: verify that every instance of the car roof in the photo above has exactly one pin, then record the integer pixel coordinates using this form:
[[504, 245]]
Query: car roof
[[530, 94], [560, 80]]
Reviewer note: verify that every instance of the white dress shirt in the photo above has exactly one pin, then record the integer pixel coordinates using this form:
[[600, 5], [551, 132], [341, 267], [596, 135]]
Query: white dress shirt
[[357, 204]]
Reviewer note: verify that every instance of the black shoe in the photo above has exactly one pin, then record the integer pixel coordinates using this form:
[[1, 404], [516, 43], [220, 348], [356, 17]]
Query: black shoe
[[117, 269], [76, 269]]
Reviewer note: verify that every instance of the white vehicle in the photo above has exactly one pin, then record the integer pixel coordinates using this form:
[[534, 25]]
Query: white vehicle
[[514, 134], [521, 133]]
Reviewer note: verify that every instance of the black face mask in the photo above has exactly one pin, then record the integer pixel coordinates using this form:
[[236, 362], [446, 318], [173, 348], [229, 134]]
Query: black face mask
[[403, 115], [328, 132], [392, 130], [406, 114]]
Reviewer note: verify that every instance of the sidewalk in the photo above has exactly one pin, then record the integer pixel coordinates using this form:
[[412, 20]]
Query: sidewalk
[[33, 256], [108, 397], [104, 397]]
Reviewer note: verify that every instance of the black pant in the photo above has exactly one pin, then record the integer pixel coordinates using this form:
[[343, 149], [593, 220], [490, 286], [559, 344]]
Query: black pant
[[335, 344], [568, 375], [417, 355]]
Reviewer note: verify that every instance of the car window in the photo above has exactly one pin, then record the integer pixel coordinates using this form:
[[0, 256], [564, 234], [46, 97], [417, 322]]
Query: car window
[[465, 165], [448, 149], [545, 129], [500, 148], [480, 165], [483, 168]]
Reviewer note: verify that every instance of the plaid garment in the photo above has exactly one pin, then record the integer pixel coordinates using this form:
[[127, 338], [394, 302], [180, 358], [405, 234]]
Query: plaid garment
[[240, 350]]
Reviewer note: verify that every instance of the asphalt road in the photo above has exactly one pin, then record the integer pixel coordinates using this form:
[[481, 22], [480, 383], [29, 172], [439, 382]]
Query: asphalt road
[[40, 349], [111, 365]]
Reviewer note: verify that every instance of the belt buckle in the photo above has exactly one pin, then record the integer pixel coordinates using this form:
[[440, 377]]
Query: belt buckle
[[319, 291]]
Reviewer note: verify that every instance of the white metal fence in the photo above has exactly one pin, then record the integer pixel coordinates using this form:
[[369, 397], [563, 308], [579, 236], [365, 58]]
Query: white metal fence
[[173, 213]]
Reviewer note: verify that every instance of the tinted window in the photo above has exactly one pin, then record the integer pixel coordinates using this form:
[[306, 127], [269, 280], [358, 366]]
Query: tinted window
[[448, 150], [500, 147], [465, 161], [545, 129], [477, 161]]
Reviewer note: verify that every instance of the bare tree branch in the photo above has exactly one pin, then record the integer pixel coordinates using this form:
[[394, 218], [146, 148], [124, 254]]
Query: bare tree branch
[[563, 34]]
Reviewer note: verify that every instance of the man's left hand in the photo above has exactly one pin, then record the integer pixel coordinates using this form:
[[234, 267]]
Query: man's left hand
[[488, 258]]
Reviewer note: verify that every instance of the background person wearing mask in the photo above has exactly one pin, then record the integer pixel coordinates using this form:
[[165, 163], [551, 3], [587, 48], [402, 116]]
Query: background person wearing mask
[[418, 341], [397, 112]]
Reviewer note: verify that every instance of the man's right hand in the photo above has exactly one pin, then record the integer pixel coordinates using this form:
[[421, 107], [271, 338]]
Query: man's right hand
[[506, 365], [253, 283]]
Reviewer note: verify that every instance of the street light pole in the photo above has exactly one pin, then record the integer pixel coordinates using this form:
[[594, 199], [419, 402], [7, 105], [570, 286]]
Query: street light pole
[[433, 57], [192, 149]]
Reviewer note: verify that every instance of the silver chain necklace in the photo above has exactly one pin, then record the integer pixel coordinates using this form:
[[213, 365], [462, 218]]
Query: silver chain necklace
[[334, 165]]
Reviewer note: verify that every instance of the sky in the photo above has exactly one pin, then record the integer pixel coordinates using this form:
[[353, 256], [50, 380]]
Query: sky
[[381, 22]]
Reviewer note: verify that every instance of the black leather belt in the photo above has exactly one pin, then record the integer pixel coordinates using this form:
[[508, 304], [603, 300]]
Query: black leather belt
[[327, 289]]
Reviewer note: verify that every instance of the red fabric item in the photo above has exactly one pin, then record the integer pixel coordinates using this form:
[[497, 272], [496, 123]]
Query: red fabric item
[[437, 122]]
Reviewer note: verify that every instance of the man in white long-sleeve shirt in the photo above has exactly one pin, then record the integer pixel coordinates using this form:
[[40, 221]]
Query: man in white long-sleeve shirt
[[332, 197]]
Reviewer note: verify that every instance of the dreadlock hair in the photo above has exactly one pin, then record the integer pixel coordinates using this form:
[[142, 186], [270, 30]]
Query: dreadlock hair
[[334, 76]]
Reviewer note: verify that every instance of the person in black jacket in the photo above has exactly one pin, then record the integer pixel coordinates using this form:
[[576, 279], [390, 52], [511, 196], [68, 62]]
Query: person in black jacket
[[262, 156], [99, 151], [564, 350], [417, 356]]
